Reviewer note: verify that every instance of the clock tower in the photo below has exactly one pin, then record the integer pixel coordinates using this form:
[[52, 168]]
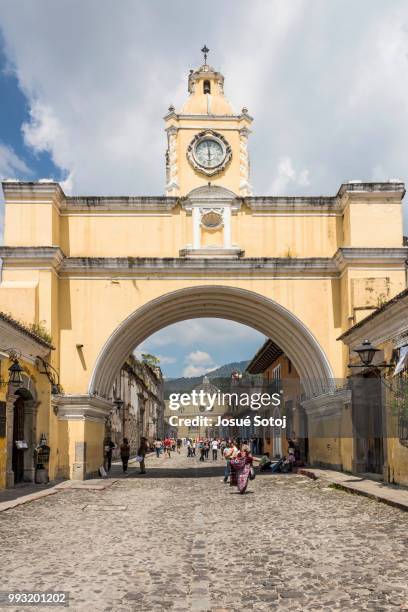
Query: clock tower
[[206, 139]]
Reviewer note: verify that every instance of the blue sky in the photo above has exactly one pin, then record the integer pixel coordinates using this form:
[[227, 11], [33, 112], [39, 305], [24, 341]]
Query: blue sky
[[197, 346], [14, 107], [84, 86]]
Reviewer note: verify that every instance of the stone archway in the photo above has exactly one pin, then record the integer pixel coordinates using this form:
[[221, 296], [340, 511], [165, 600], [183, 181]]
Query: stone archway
[[240, 305], [21, 426]]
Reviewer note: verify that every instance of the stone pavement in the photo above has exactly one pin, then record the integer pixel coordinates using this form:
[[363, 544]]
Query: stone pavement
[[179, 539]]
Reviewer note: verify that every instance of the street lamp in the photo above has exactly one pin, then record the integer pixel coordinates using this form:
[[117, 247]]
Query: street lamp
[[366, 351], [15, 370]]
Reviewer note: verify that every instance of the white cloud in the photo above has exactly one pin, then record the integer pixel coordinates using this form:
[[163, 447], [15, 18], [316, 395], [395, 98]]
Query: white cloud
[[166, 360], [199, 363], [11, 166], [192, 370], [199, 331], [286, 175], [199, 358]]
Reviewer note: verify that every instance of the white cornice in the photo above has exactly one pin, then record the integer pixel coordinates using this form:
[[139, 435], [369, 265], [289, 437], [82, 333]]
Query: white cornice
[[53, 258], [353, 256], [41, 257], [209, 117], [328, 404], [51, 193], [81, 408]]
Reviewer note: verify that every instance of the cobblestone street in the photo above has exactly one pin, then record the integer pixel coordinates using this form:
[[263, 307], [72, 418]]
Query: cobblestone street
[[179, 539]]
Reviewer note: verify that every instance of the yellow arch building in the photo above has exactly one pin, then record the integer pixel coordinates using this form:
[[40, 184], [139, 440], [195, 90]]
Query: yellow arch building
[[103, 273]]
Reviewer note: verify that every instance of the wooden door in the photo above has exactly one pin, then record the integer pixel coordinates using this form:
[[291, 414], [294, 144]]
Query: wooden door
[[18, 434]]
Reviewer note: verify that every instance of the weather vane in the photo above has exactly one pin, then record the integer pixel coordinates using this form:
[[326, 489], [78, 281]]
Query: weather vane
[[205, 51]]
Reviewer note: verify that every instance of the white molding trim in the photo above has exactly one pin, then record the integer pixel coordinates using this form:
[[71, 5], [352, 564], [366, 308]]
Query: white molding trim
[[327, 404], [81, 407]]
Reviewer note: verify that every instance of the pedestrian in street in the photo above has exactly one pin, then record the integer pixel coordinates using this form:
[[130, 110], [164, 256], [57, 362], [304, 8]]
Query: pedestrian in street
[[167, 448], [189, 448], [227, 454], [158, 447], [179, 443], [214, 446], [125, 454], [142, 450], [206, 448], [241, 469], [201, 448], [193, 448], [108, 449]]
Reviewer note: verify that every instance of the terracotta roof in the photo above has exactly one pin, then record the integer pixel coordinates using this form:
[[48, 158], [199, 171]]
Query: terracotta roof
[[265, 356], [23, 329], [379, 310]]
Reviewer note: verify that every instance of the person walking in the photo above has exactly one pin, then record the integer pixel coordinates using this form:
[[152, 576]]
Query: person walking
[[201, 448], [214, 446], [167, 448], [108, 449], [125, 454], [179, 443], [241, 469], [189, 448], [158, 447], [193, 447], [227, 454], [142, 454], [206, 448]]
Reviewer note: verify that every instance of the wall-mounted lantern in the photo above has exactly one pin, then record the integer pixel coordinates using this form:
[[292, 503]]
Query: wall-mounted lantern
[[15, 370]]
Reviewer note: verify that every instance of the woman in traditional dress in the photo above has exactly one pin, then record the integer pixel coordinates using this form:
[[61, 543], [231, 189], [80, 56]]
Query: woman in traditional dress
[[241, 467]]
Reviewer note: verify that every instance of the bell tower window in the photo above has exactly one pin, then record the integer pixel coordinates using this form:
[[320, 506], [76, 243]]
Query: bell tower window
[[207, 87]]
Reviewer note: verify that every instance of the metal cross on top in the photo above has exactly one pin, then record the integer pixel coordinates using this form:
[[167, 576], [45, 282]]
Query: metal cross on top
[[205, 51]]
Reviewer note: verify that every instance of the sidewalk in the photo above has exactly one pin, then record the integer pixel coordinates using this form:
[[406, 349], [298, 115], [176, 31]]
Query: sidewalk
[[392, 495], [28, 492]]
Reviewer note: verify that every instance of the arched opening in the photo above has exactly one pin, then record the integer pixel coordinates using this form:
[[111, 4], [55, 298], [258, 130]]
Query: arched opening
[[207, 87], [24, 432], [240, 305]]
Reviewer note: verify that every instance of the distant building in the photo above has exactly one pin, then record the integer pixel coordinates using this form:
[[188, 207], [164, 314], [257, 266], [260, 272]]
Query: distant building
[[190, 411], [139, 387], [280, 376]]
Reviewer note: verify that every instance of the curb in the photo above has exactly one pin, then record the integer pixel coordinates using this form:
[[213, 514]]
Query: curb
[[66, 485], [25, 499], [307, 473], [355, 490], [384, 500]]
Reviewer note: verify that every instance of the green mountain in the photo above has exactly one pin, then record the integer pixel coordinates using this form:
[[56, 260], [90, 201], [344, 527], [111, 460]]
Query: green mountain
[[220, 377]]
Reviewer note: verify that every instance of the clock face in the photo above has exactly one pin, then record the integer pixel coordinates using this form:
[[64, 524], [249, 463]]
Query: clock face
[[209, 153]]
